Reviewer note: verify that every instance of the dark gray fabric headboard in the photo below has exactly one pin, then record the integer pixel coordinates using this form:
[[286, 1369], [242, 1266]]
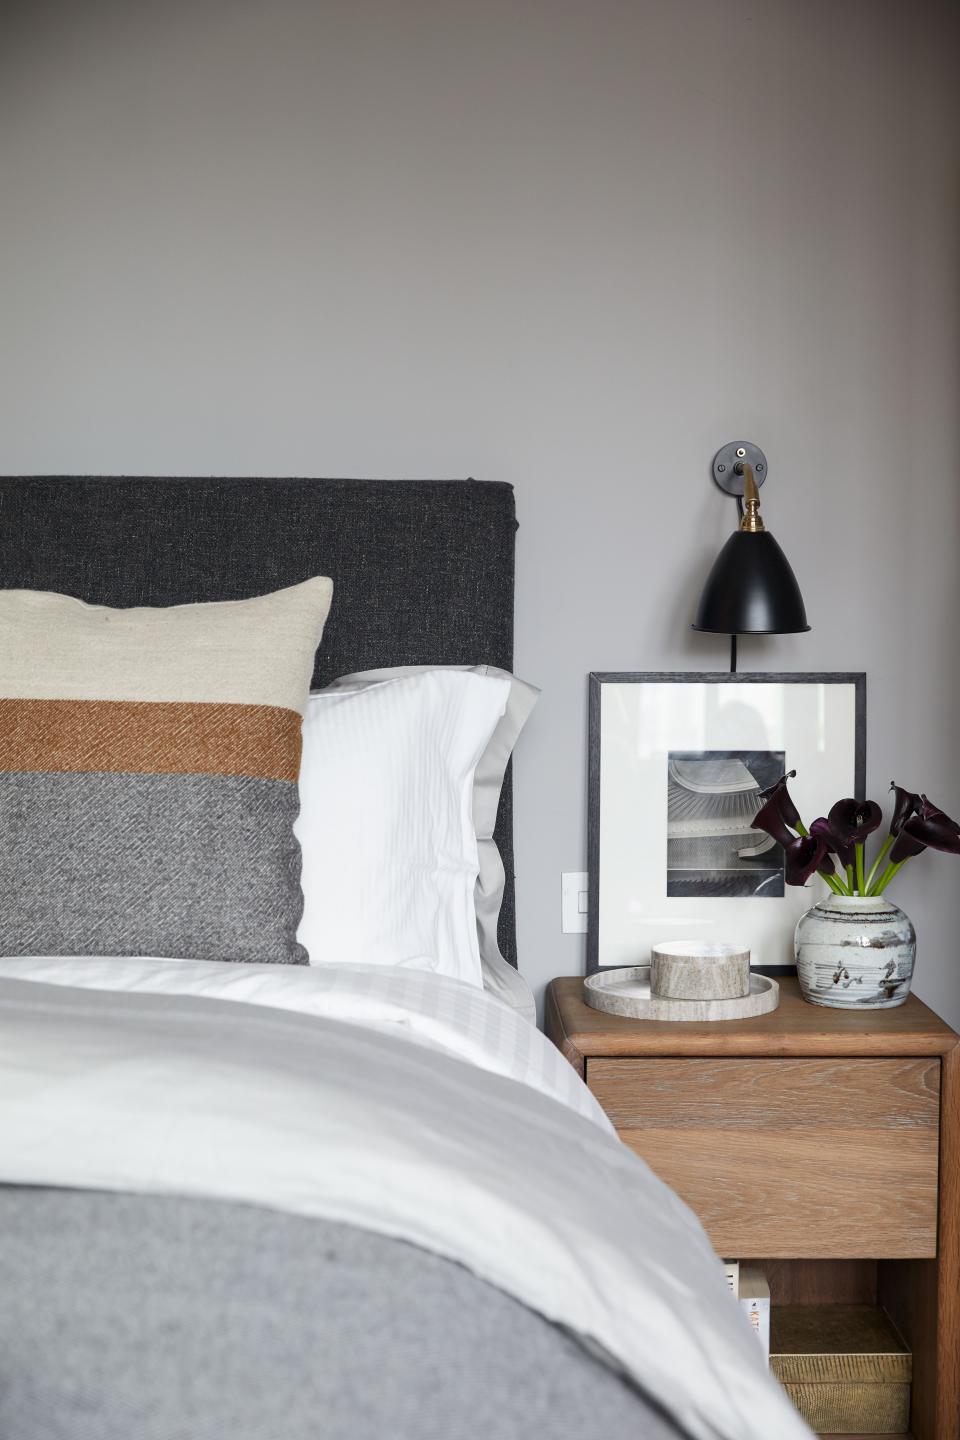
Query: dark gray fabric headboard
[[422, 570]]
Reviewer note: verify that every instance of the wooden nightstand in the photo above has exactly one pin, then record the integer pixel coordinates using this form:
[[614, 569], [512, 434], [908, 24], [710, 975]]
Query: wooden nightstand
[[823, 1143]]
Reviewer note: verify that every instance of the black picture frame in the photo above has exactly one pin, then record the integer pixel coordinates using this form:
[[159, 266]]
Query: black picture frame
[[596, 681]]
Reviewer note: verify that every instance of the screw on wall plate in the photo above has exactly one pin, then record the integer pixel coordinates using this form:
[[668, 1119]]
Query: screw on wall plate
[[730, 462]]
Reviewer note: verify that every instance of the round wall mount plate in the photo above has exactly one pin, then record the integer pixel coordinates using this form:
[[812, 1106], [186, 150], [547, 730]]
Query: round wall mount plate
[[727, 459], [626, 992]]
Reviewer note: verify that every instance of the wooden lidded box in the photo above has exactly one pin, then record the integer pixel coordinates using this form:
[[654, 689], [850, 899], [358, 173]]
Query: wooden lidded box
[[843, 1366]]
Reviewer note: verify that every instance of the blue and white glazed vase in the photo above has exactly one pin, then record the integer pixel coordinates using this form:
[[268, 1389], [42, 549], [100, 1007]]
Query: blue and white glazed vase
[[855, 952]]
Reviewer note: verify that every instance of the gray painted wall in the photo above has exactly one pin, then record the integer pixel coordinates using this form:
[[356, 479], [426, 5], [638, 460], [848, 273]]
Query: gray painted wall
[[575, 246]]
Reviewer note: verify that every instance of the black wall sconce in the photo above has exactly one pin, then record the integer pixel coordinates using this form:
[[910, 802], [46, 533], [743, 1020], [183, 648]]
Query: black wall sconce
[[751, 589]]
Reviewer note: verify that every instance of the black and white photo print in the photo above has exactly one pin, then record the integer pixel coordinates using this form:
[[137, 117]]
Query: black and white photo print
[[678, 762], [712, 798]]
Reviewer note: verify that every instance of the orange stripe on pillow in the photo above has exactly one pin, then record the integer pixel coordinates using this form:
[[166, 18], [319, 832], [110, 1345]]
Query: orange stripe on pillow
[[149, 737]]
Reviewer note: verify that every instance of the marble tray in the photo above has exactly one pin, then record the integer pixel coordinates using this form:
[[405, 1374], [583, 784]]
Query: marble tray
[[627, 992]]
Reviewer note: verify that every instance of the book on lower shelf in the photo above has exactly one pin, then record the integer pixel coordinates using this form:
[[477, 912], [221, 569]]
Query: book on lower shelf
[[731, 1270], [845, 1367], [754, 1296]]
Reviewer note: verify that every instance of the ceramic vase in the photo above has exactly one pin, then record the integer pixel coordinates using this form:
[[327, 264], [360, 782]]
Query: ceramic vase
[[855, 952]]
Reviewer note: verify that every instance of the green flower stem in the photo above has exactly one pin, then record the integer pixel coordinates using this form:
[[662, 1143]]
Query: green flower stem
[[884, 850], [861, 885], [850, 889], [801, 829], [888, 874]]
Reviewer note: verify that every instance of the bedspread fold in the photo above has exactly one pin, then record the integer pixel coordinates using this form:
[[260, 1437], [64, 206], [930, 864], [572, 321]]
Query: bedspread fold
[[185, 1095]]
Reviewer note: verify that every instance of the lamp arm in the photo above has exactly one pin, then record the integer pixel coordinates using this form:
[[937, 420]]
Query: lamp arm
[[751, 588], [751, 521]]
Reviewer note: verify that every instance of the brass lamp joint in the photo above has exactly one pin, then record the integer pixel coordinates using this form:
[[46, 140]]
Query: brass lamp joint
[[752, 521]]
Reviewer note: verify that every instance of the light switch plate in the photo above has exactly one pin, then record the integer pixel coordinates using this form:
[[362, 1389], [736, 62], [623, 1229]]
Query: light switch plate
[[573, 898]]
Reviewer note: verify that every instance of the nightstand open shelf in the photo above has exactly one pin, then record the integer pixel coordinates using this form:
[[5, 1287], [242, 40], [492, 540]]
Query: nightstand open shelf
[[822, 1143]]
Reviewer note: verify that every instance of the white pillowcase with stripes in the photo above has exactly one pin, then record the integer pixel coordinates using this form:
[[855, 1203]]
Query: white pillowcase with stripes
[[499, 977], [390, 857]]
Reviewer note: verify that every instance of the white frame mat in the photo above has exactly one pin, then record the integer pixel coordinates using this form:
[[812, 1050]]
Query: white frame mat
[[818, 721]]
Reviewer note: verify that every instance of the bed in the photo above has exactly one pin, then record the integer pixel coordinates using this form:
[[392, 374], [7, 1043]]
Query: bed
[[333, 1200]]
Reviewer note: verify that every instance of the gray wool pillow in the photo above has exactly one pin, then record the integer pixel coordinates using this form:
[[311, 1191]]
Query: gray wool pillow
[[149, 760]]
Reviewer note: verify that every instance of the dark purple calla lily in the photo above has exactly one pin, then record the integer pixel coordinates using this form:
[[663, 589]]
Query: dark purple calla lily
[[803, 855], [905, 804], [779, 796], [931, 828], [928, 810], [833, 842], [854, 820], [769, 819], [847, 826], [905, 847], [916, 825]]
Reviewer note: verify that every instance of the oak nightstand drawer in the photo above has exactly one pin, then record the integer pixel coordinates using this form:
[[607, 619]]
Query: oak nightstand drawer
[[820, 1157], [813, 1140]]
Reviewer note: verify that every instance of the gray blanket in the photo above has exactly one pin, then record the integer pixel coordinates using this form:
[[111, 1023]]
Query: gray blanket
[[137, 1317]]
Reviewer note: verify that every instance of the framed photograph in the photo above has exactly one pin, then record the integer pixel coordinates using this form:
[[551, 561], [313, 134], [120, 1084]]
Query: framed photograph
[[677, 764]]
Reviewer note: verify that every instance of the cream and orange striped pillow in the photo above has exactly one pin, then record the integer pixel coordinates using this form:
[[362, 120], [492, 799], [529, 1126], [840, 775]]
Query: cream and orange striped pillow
[[148, 774]]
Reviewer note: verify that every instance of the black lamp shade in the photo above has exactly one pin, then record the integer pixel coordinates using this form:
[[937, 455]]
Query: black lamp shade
[[751, 590]]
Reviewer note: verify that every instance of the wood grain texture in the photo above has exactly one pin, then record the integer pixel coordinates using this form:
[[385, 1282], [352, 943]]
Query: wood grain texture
[[921, 1295], [923, 1298], [555, 1029], [908, 1292], [819, 1282], [796, 1028], [788, 1157], [948, 1267]]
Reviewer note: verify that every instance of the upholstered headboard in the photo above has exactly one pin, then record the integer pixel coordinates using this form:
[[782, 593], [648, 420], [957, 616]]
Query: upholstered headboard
[[422, 570]]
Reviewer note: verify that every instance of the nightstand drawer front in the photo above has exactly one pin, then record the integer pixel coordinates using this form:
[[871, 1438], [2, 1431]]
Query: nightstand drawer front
[[817, 1157]]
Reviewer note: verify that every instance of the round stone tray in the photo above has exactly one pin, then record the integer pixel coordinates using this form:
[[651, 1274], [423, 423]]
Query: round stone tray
[[627, 992]]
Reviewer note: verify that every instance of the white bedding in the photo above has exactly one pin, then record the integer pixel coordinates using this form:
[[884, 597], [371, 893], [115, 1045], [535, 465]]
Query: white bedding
[[447, 1014], [475, 1142]]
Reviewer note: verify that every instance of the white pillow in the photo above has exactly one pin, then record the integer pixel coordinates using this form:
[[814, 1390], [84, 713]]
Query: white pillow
[[390, 857], [499, 977]]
